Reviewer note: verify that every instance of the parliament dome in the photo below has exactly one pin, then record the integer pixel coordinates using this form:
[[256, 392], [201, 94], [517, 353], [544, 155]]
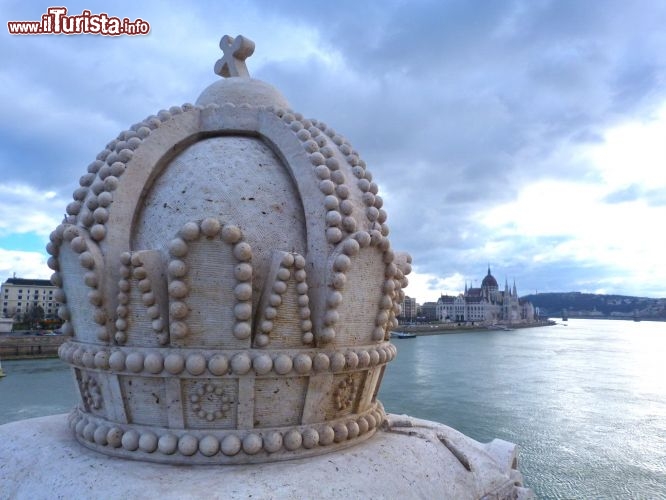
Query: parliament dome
[[489, 281]]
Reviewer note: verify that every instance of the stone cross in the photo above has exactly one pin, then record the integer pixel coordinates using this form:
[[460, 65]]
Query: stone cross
[[236, 50]]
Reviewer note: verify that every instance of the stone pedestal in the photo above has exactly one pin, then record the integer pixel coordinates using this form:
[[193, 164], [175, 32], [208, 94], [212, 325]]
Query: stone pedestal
[[409, 458]]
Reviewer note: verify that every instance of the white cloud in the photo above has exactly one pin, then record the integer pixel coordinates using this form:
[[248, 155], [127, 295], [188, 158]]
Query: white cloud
[[624, 236], [633, 153], [427, 287], [23, 265], [526, 135], [25, 209]]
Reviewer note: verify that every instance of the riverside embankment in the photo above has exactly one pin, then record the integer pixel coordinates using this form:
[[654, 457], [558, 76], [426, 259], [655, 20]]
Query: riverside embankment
[[28, 346], [22, 345], [442, 328]]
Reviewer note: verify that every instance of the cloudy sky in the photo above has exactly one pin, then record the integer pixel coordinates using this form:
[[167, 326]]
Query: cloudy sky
[[527, 135]]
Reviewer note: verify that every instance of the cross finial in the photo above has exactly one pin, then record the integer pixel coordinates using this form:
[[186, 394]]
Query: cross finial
[[236, 50]]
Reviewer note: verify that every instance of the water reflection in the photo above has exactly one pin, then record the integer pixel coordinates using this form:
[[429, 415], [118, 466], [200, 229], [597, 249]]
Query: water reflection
[[33, 388], [586, 403]]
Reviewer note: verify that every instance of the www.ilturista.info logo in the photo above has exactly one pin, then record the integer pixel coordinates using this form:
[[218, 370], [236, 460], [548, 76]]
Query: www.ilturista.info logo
[[57, 22]]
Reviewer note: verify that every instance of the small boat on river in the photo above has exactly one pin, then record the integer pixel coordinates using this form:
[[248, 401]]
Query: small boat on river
[[402, 335]]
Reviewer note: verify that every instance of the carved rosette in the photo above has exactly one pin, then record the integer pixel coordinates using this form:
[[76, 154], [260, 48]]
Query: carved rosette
[[229, 286]]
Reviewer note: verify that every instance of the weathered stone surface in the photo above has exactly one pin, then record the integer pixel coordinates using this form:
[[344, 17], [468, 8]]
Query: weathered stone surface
[[229, 287], [410, 458], [229, 284]]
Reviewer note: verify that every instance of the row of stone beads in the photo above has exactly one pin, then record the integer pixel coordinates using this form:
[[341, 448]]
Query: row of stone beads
[[67, 233], [122, 310], [53, 249], [341, 265], [327, 170], [97, 186], [240, 363], [292, 265], [132, 267], [61, 300], [321, 155], [101, 180], [91, 393], [230, 444], [373, 202], [394, 289], [339, 216], [397, 296], [332, 181], [349, 248], [391, 289], [178, 271], [228, 106], [385, 319], [401, 283]]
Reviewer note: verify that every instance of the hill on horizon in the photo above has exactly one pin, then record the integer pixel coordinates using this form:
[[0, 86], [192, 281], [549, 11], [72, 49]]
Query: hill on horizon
[[597, 305]]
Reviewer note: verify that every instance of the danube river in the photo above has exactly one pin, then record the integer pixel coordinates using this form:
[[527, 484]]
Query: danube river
[[586, 402]]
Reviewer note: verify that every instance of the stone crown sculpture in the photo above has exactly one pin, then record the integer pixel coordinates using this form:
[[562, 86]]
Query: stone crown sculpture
[[228, 283]]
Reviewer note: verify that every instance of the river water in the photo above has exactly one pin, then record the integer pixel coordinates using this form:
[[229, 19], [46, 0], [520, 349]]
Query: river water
[[586, 402]]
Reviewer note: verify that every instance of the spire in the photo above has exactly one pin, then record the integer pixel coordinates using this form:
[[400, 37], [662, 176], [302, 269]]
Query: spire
[[488, 269], [515, 291]]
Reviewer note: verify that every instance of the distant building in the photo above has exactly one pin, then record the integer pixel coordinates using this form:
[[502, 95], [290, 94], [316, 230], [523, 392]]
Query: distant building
[[487, 304], [408, 312], [19, 295], [429, 312]]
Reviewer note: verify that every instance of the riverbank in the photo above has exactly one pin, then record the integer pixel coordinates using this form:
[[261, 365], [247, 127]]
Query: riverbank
[[444, 328], [14, 346]]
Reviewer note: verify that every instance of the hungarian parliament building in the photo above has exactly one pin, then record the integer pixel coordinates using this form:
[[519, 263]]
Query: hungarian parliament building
[[486, 305]]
